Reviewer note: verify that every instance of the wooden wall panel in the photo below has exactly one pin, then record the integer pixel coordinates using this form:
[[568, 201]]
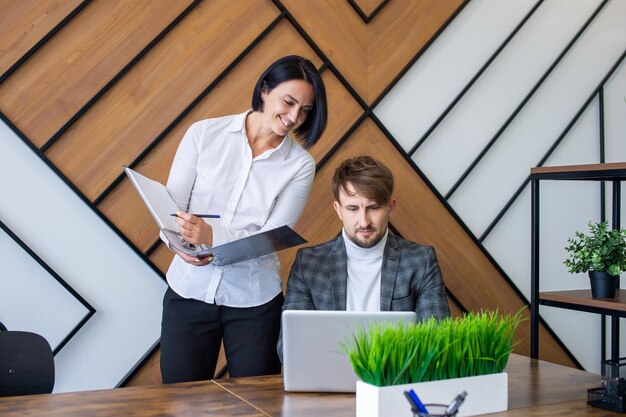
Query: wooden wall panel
[[76, 63], [455, 311], [368, 6], [142, 106], [229, 97], [24, 23], [124, 208], [398, 33], [343, 112], [162, 257], [319, 222], [341, 34], [150, 372], [156, 90], [371, 55]]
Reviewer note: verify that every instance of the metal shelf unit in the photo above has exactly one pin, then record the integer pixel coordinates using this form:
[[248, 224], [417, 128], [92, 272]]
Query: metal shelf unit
[[580, 300]]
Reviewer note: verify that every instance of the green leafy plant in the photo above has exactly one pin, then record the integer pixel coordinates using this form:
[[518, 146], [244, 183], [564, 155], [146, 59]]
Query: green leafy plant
[[392, 354], [602, 250]]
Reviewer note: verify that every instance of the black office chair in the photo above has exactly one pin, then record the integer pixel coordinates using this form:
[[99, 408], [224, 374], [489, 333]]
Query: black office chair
[[26, 363]]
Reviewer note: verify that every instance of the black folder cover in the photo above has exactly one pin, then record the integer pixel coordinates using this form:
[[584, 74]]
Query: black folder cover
[[242, 249]]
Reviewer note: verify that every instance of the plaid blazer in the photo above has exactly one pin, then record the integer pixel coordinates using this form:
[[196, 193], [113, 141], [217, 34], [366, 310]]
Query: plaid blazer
[[410, 279]]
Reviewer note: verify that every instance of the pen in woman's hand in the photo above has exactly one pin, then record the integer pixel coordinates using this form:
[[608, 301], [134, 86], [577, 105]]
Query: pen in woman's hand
[[203, 216]]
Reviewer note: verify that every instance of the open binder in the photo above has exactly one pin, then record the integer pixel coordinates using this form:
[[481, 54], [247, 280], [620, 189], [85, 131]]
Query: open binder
[[161, 205]]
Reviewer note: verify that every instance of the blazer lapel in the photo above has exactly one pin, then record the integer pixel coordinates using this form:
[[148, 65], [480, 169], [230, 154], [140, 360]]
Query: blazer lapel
[[339, 273], [391, 260]]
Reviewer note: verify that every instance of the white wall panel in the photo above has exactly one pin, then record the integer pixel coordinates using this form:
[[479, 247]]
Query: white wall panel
[[615, 115], [486, 107], [565, 206], [447, 66], [31, 299], [542, 120], [57, 225], [439, 75]]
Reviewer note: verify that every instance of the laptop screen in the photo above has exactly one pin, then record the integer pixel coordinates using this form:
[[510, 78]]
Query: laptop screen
[[313, 359]]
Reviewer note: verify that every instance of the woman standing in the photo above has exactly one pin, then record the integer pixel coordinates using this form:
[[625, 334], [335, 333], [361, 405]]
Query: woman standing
[[248, 169]]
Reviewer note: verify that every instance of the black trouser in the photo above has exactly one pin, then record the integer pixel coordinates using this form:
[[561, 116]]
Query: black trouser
[[192, 331]]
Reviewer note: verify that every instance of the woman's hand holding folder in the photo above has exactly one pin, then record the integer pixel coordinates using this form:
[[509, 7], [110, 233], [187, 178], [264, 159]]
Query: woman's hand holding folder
[[192, 260], [193, 229]]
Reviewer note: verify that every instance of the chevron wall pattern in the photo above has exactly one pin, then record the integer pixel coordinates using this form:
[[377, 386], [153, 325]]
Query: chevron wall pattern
[[459, 98]]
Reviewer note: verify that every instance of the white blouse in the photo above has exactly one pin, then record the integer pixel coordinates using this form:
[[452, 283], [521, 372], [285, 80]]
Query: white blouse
[[214, 173]]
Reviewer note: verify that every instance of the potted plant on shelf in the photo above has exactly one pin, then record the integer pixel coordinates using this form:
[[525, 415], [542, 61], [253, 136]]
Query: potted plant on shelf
[[438, 359], [601, 253]]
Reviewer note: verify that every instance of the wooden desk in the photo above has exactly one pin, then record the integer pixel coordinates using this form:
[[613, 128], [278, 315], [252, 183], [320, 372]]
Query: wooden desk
[[187, 399], [536, 388], [268, 395]]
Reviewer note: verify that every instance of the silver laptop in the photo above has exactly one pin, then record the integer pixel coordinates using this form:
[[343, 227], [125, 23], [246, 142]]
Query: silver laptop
[[313, 360]]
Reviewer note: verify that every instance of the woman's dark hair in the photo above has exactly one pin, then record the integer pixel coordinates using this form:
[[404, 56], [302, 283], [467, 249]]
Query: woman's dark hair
[[295, 67]]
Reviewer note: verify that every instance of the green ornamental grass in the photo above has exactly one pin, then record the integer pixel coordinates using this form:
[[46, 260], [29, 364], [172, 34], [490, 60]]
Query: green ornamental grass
[[476, 344]]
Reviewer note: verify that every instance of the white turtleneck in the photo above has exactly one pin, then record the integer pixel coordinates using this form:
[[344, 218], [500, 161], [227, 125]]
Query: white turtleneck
[[364, 275]]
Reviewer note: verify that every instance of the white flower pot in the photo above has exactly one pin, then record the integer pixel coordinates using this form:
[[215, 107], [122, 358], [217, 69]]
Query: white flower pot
[[485, 394]]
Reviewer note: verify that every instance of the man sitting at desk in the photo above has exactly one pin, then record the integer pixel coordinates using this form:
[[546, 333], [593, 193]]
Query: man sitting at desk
[[366, 268]]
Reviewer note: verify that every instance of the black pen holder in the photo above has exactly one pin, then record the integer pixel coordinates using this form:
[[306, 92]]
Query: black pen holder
[[612, 394], [435, 410]]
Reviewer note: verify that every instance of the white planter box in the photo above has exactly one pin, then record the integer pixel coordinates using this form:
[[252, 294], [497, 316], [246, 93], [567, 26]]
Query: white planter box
[[485, 394]]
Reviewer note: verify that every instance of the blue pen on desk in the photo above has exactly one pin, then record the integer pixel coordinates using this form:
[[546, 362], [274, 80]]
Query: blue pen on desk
[[415, 400], [204, 216]]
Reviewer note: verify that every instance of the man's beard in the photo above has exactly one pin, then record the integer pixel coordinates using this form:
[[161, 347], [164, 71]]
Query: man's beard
[[365, 244]]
